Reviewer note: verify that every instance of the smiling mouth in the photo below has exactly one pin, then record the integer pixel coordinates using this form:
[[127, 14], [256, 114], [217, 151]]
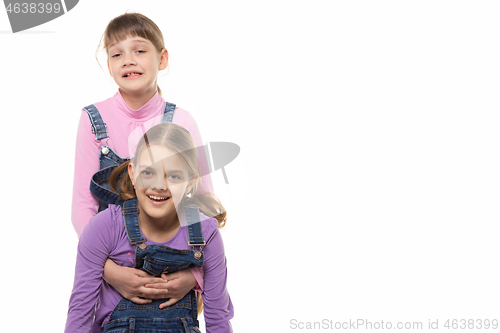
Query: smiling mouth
[[130, 74], [159, 199]]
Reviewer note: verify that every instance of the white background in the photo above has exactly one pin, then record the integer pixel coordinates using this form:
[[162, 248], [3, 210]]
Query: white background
[[367, 186]]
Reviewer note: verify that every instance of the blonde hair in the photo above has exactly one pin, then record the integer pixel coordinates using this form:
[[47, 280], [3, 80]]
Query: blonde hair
[[131, 24], [177, 139]]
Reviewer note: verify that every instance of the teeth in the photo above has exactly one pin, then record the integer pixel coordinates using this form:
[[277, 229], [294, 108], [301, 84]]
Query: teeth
[[156, 198], [126, 75]]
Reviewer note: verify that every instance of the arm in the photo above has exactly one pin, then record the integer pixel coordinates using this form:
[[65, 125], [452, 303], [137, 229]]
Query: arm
[[218, 306], [84, 205], [91, 255], [133, 283]]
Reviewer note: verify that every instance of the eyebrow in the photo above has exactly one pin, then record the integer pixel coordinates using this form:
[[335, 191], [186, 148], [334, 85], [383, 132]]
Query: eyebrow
[[143, 167], [138, 39]]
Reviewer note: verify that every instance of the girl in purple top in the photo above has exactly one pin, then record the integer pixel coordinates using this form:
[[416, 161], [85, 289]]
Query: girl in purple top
[[136, 54], [160, 182]]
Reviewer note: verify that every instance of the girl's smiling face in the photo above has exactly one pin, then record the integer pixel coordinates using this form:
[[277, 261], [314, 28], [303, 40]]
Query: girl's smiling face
[[161, 179], [134, 64]]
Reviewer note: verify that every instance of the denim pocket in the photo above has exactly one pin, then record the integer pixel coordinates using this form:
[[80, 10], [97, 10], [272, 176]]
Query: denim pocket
[[156, 266]]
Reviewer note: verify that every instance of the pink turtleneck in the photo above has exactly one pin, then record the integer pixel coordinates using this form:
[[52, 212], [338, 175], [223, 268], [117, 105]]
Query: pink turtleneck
[[125, 128]]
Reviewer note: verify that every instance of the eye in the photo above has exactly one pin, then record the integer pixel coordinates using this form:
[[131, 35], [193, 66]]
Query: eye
[[140, 51], [147, 173], [115, 55], [174, 177]]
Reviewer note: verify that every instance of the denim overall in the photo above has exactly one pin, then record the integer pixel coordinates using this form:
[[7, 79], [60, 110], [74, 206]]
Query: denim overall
[[154, 259], [108, 157]]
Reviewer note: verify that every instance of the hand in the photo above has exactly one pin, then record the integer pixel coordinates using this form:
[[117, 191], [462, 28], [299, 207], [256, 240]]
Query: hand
[[176, 284], [130, 283]]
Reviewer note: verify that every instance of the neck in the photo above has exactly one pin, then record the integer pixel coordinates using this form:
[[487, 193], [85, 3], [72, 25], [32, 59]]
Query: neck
[[159, 230], [137, 100]]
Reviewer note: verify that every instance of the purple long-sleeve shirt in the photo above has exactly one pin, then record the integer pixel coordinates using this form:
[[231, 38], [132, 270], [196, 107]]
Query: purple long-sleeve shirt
[[93, 299]]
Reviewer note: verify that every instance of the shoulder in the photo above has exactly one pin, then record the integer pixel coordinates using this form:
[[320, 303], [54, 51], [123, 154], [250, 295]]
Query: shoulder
[[102, 107], [105, 224], [186, 120], [214, 248], [209, 227], [107, 104], [106, 109], [183, 118]]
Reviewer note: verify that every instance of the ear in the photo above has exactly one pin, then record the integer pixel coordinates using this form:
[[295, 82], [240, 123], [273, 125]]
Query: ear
[[131, 173], [163, 59]]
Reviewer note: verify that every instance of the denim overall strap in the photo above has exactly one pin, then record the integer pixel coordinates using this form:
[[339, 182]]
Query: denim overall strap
[[194, 226], [98, 126], [168, 113], [99, 191], [130, 212]]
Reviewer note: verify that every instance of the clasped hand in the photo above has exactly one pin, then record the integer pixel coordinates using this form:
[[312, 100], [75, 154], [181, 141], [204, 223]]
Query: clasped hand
[[141, 287]]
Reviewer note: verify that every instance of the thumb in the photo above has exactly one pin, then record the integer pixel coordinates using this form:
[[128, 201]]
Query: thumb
[[170, 302]]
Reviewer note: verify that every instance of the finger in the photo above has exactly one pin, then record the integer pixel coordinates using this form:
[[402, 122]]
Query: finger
[[170, 302], [138, 300], [145, 275], [154, 293], [162, 285], [150, 280]]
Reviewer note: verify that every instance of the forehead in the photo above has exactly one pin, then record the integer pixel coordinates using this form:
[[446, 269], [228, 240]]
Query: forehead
[[149, 157], [115, 42]]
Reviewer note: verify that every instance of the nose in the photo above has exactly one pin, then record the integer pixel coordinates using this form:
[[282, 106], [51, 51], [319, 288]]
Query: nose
[[128, 59], [159, 183]]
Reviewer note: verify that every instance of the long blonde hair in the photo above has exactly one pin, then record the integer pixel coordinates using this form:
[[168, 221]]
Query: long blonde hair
[[131, 24]]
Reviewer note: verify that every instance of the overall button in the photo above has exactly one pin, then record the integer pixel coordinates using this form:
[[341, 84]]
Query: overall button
[[105, 150], [197, 255], [143, 247]]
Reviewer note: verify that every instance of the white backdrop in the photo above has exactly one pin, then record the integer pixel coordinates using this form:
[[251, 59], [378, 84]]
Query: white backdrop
[[367, 185]]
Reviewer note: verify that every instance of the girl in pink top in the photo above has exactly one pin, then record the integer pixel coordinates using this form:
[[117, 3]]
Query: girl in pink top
[[136, 54]]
